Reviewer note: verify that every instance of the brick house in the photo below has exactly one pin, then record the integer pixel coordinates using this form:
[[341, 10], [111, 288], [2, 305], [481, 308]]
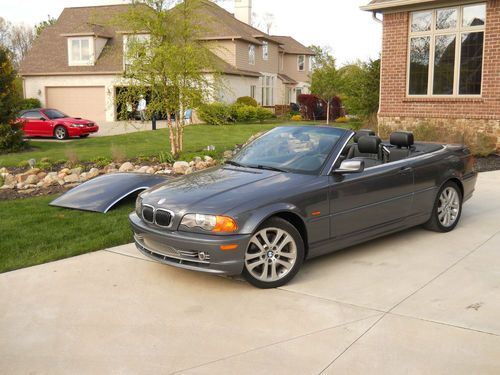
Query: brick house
[[440, 66], [77, 64]]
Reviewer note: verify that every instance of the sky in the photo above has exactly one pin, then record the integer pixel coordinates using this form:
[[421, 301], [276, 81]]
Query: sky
[[350, 33]]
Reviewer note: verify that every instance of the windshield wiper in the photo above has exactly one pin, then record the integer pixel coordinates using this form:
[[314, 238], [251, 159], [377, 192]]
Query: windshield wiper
[[235, 163], [268, 168]]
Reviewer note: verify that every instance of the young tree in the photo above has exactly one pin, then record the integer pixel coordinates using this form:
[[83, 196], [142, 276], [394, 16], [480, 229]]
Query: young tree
[[18, 38], [361, 87], [39, 27], [167, 62], [11, 135], [326, 78]]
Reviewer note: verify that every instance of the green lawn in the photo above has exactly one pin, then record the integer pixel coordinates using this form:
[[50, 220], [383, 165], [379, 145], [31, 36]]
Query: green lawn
[[31, 232], [196, 138], [149, 143]]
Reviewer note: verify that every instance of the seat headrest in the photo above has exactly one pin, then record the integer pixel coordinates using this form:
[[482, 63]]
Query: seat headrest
[[369, 144], [402, 139], [362, 133]]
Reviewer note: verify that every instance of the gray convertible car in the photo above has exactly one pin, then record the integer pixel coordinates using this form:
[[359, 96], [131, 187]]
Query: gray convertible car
[[300, 192]]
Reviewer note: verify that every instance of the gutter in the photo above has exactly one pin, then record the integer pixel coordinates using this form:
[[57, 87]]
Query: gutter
[[394, 4]]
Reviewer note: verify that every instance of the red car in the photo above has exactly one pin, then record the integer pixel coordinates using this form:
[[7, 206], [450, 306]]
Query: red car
[[47, 122]]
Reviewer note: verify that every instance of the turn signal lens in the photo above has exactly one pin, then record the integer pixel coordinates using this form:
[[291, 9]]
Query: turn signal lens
[[225, 224], [228, 247]]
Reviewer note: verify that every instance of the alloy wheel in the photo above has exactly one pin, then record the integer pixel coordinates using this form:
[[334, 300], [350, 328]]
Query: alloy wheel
[[271, 254], [449, 207]]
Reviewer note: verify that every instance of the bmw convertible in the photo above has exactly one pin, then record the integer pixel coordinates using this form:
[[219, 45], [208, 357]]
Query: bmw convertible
[[300, 192]]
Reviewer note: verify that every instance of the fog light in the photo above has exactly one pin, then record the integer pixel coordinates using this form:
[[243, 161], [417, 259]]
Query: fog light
[[202, 256]]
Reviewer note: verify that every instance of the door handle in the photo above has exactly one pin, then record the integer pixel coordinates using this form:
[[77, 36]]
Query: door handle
[[405, 170]]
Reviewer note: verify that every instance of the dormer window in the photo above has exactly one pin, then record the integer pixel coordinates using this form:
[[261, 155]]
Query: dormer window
[[80, 51]]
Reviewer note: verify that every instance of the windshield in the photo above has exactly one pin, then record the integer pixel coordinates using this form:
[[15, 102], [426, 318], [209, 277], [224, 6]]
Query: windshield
[[54, 114], [291, 149]]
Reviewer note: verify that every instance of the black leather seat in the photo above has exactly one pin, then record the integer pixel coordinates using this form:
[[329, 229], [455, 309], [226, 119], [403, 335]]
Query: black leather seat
[[354, 149], [402, 142], [369, 145]]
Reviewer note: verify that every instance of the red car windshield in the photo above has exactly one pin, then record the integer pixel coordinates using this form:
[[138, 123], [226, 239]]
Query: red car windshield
[[54, 114]]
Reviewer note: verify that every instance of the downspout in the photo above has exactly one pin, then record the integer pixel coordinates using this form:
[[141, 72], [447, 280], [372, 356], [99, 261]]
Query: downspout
[[374, 16]]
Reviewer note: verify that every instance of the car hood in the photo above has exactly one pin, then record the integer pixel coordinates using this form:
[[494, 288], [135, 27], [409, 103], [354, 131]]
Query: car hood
[[212, 191], [75, 120]]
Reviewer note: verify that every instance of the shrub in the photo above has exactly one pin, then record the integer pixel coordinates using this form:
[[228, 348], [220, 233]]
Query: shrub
[[12, 138], [29, 103], [44, 166], [342, 120], [263, 114], [214, 114], [101, 162], [247, 100], [484, 146], [245, 113], [296, 118], [166, 157], [23, 164]]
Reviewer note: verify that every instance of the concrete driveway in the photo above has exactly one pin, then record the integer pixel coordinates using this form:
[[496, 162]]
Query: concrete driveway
[[413, 303]]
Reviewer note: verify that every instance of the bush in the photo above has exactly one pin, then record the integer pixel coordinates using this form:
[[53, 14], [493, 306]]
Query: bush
[[484, 146], [342, 120], [166, 157], [296, 118], [101, 162], [214, 114], [263, 114], [12, 138], [29, 103], [247, 100]]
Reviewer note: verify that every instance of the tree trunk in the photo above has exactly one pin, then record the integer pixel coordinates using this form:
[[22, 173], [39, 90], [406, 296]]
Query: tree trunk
[[171, 131], [328, 112]]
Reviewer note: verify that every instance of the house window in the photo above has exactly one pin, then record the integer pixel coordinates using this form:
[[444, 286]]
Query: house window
[[252, 91], [251, 54], [134, 48], [298, 92], [267, 90], [301, 62], [446, 51], [80, 51], [265, 50]]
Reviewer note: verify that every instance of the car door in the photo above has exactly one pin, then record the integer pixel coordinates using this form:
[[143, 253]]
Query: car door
[[34, 125], [372, 202]]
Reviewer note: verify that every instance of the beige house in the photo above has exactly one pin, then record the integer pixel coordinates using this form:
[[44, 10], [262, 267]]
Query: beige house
[[77, 64]]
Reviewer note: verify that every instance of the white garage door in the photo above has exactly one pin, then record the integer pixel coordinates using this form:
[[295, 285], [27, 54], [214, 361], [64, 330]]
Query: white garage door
[[84, 102]]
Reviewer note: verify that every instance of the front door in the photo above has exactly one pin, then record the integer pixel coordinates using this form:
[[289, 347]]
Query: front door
[[372, 202]]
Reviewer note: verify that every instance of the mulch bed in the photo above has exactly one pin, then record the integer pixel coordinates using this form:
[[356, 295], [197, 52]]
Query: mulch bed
[[490, 163]]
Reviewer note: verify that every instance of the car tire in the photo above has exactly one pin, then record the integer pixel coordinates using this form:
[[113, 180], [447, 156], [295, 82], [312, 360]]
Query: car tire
[[274, 255], [84, 135], [60, 133], [447, 209]]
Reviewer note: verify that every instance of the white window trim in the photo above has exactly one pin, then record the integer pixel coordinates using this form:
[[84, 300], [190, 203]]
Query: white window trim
[[432, 33], [91, 59], [298, 63], [271, 87], [311, 63], [251, 54]]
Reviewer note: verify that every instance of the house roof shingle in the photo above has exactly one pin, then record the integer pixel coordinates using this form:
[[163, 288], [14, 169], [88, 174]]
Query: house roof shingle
[[49, 54], [292, 46]]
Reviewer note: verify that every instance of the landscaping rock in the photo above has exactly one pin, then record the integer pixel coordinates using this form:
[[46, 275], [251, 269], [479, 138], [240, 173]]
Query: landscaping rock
[[77, 171], [189, 170], [126, 167], [71, 178], [208, 158], [94, 172], [228, 154], [32, 179], [4, 170], [143, 169], [197, 159], [201, 165], [20, 186], [41, 175], [151, 170], [180, 167], [32, 171], [65, 171], [9, 179]]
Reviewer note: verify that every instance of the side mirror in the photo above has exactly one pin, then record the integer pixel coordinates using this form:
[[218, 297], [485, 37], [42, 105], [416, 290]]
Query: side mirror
[[351, 166], [42, 118]]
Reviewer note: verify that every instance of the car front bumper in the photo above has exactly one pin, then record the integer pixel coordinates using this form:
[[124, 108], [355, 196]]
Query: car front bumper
[[183, 249], [77, 132]]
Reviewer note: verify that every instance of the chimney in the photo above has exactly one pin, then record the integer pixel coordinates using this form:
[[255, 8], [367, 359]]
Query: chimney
[[243, 10]]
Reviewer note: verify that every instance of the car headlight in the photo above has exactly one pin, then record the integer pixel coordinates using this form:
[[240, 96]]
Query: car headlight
[[77, 125], [212, 223], [138, 206]]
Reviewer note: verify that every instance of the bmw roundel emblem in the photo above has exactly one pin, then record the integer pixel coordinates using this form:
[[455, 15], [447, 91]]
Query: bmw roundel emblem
[[161, 201]]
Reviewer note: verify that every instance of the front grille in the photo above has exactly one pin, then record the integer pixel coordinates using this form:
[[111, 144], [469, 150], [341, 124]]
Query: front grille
[[163, 218], [90, 124], [148, 214], [168, 254]]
